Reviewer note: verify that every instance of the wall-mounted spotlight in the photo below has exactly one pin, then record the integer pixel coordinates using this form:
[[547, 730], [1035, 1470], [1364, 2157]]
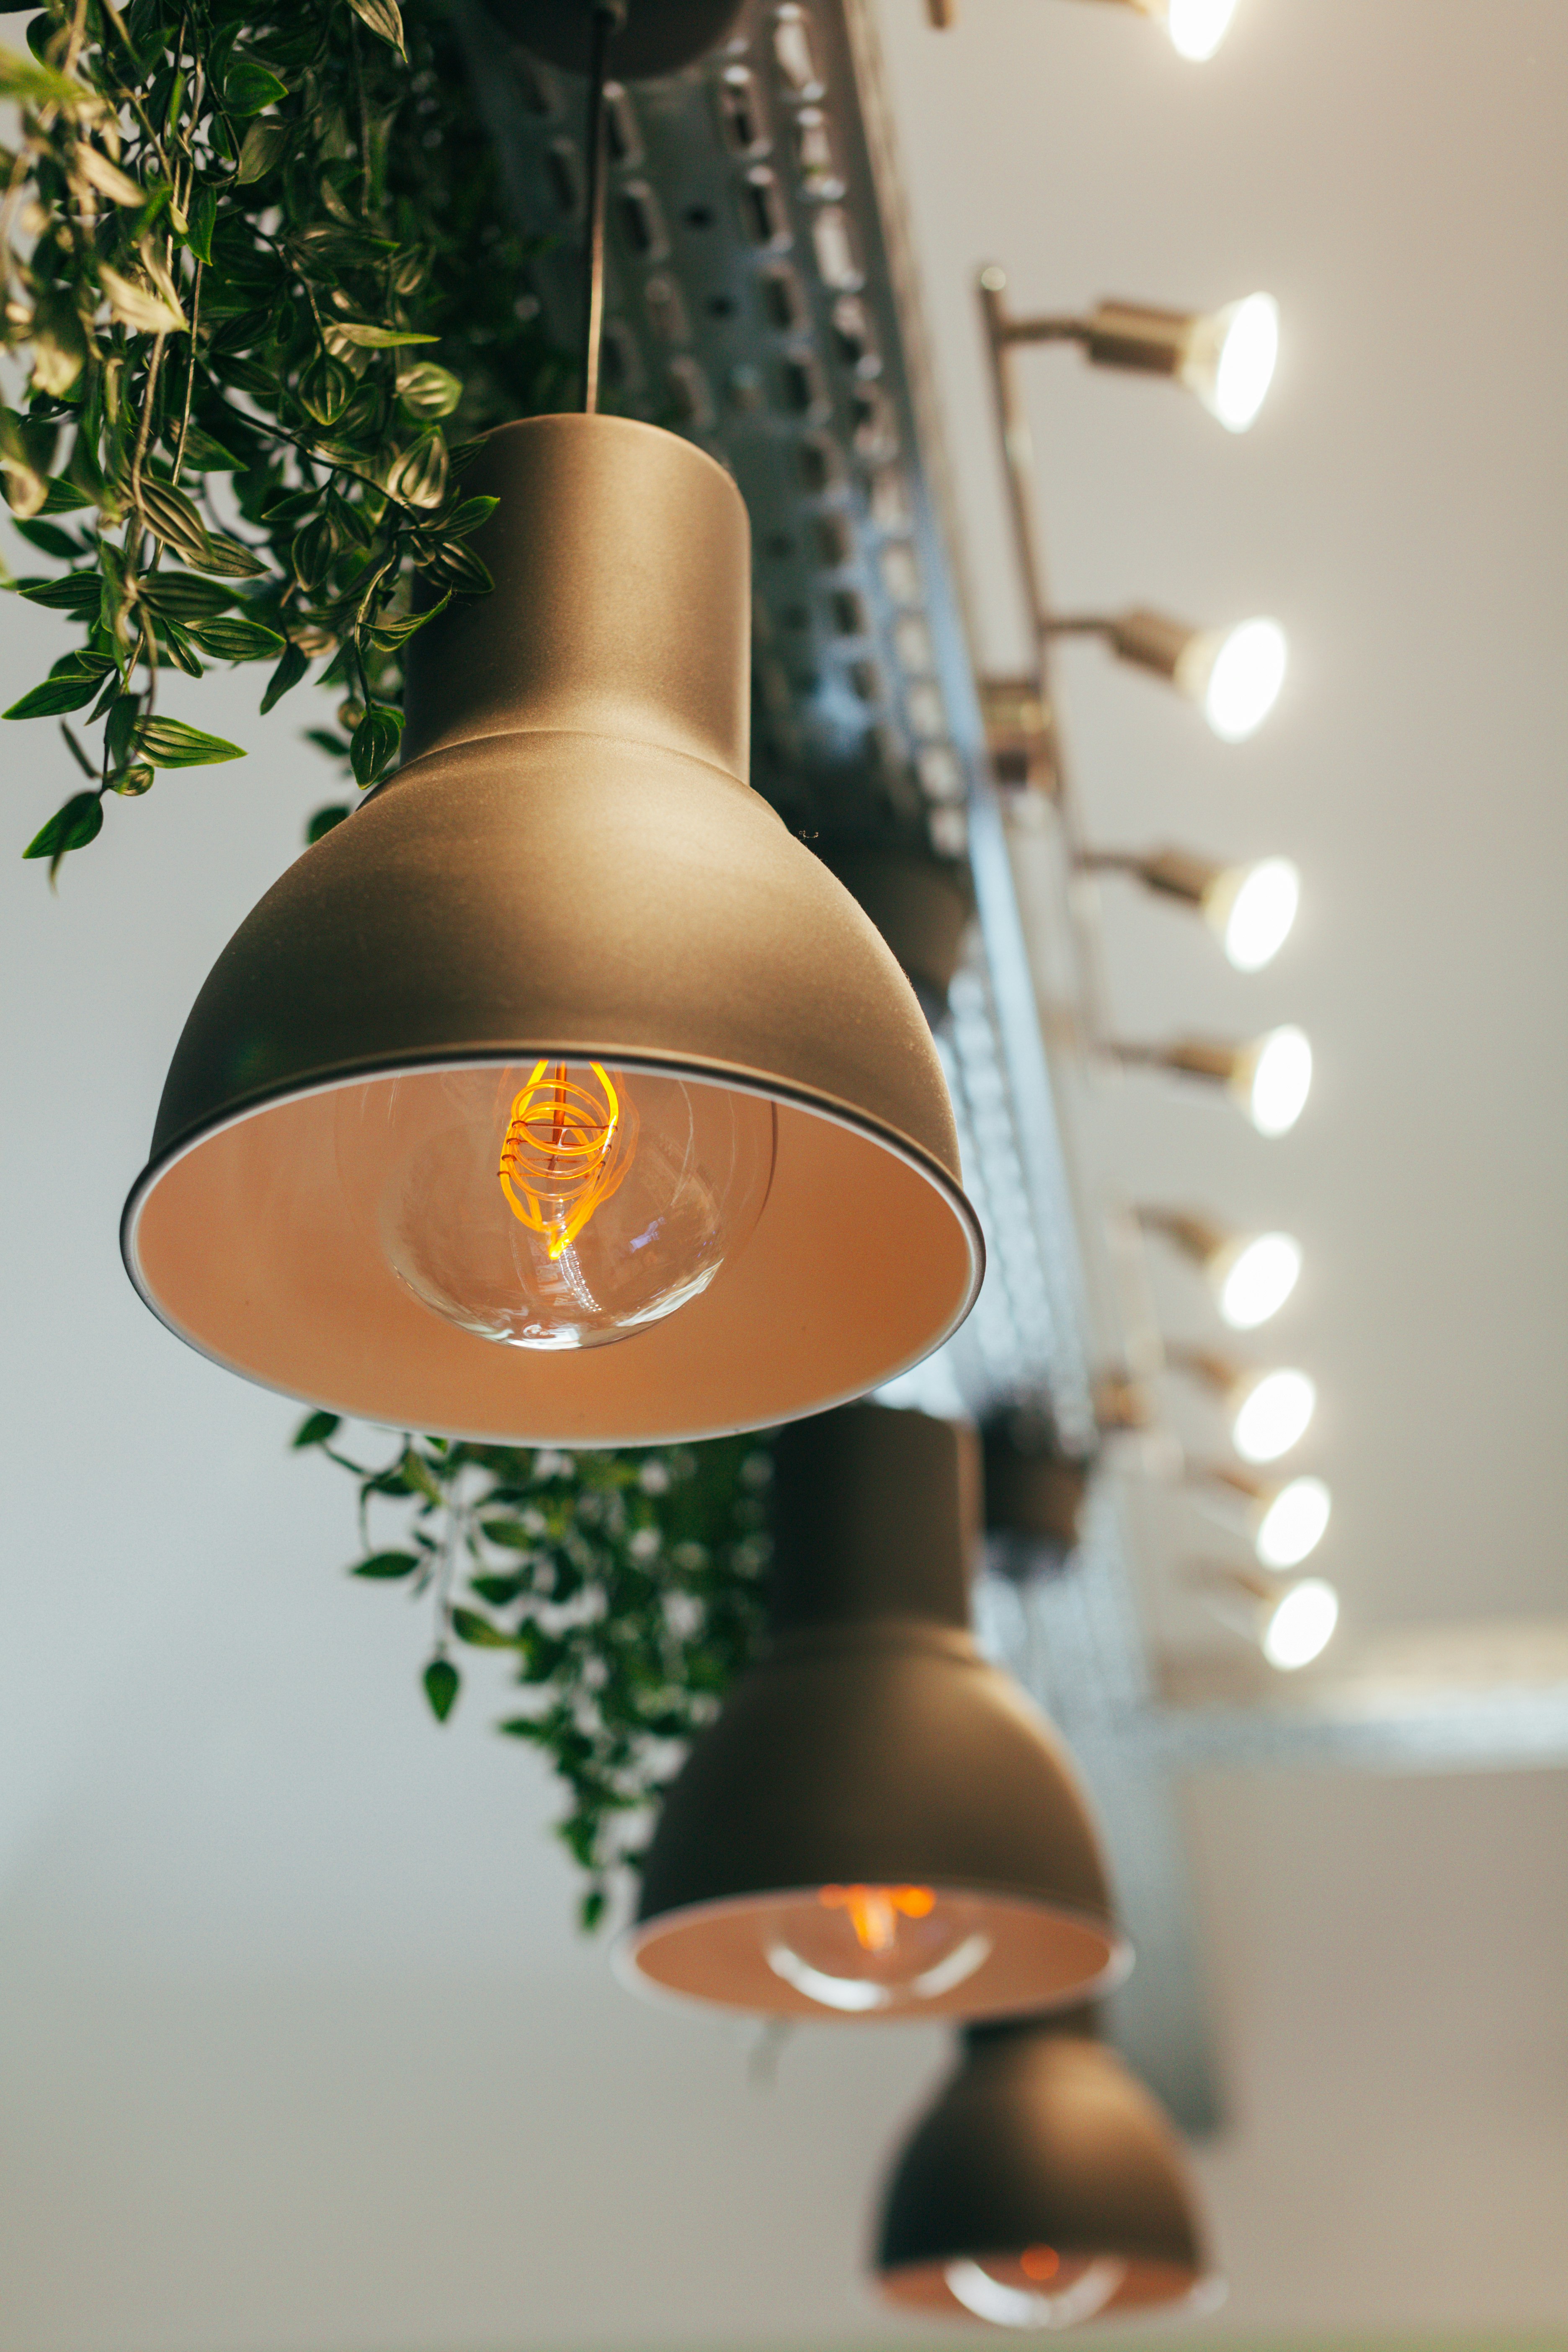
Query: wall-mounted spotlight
[[1285, 1522], [1227, 357], [1196, 27], [1044, 2187], [1270, 1078], [1233, 675], [1251, 1274], [1249, 909], [879, 1824], [1270, 1412], [1290, 1618]]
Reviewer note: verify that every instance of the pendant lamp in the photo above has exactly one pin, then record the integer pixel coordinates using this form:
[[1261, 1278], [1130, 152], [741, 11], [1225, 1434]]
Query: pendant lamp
[[879, 1824], [1045, 2187], [564, 1039]]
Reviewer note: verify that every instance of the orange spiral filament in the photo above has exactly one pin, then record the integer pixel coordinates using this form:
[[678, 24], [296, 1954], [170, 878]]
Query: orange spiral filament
[[566, 1150], [874, 1911]]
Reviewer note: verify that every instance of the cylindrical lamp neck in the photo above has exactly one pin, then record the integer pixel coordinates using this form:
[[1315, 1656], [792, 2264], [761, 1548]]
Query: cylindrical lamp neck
[[876, 1515], [621, 557]]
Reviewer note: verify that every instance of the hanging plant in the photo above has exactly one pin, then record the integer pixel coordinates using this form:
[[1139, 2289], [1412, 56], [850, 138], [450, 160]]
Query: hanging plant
[[261, 279], [627, 1586]]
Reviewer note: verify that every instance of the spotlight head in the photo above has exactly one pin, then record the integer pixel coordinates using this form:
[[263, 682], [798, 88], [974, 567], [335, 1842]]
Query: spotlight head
[[1234, 675], [1044, 2187], [1251, 1274], [878, 1825], [1269, 1078], [1291, 1618], [1286, 1521], [1249, 909], [1196, 27], [1270, 1411], [1227, 357]]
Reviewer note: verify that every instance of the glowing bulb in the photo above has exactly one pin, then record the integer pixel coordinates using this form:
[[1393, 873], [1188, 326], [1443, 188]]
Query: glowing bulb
[[1005, 2292], [1230, 358], [1273, 1415], [1273, 1080], [1252, 907], [1254, 1278], [857, 1949], [1293, 1524], [1198, 27], [1235, 675], [1302, 1624], [555, 1203]]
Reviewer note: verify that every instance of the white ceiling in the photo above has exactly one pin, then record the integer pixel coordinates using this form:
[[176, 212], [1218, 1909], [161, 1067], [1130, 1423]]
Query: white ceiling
[[298, 2049]]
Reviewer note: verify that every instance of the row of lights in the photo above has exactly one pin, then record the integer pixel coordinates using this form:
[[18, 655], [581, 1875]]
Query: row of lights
[[1227, 359]]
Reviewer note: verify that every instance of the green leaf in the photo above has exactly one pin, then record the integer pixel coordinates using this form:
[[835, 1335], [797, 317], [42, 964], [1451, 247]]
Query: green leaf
[[374, 741], [170, 743], [76, 593], [71, 827], [418, 476], [204, 216], [511, 1533], [63, 496], [429, 390], [379, 339], [591, 1910], [288, 672], [388, 635], [132, 782], [180, 596], [205, 456], [325, 821], [174, 519], [230, 559], [384, 1566], [56, 695], [442, 1684], [248, 85], [315, 1429], [478, 1633], [265, 146], [468, 516], [50, 540], [382, 18], [238, 641], [462, 570]]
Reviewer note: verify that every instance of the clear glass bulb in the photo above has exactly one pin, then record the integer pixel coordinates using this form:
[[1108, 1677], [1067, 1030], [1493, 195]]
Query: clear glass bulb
[[1293, 1523], [1273, 1415], [1198, 27], [1234, 675], [1252, 907], [1230, 358], [1253, 1279], [1039, 2288], [1274, 1079], [859, 1948], [1303, 1625], [554, 1204]]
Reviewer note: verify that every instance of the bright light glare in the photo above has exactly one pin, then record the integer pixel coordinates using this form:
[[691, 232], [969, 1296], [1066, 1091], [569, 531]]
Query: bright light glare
[[1293, 1524], [1014, 2306], [1255, 1279], [1275, 1079], [1236, 674], [1248, 337], [1303, 1625], [1198, 27], [1252, 908], [1273, 1415]]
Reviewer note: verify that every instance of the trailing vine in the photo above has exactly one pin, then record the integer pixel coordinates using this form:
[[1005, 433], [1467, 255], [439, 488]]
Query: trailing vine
[[262, 283], [627, 1586]]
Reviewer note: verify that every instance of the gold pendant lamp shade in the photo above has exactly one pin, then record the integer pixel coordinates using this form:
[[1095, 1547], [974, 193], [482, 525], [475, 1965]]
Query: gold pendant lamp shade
[[564, 1039], [878, 1825], [1044, 2188]]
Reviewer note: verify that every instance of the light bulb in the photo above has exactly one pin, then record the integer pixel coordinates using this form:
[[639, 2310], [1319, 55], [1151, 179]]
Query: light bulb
[[1302, 1624], [1039, 2288], [1254, 1278], [554, 1204], [1230, 358], [1198, 27], [1273, 1415], [1251, 909], [1273, 1080], [1235, 675], [859, 1948], [1293, 1523]]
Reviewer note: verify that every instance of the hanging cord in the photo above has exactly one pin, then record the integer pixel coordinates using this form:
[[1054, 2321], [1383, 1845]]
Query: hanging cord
[[608, 16]]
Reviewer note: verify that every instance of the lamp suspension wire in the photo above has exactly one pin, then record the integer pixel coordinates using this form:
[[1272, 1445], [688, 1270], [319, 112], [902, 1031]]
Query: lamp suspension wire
[[606, 22]]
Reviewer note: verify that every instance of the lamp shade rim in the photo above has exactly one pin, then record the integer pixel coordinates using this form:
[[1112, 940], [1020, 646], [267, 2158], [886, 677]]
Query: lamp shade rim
[[1166, 2288], [697, 1068], [640, 1932]]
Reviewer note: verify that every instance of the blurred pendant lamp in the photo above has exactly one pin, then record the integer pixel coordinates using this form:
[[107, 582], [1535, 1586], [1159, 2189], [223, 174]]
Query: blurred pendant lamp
[[879, 1824], [1044, 2188], [565, 1031]]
